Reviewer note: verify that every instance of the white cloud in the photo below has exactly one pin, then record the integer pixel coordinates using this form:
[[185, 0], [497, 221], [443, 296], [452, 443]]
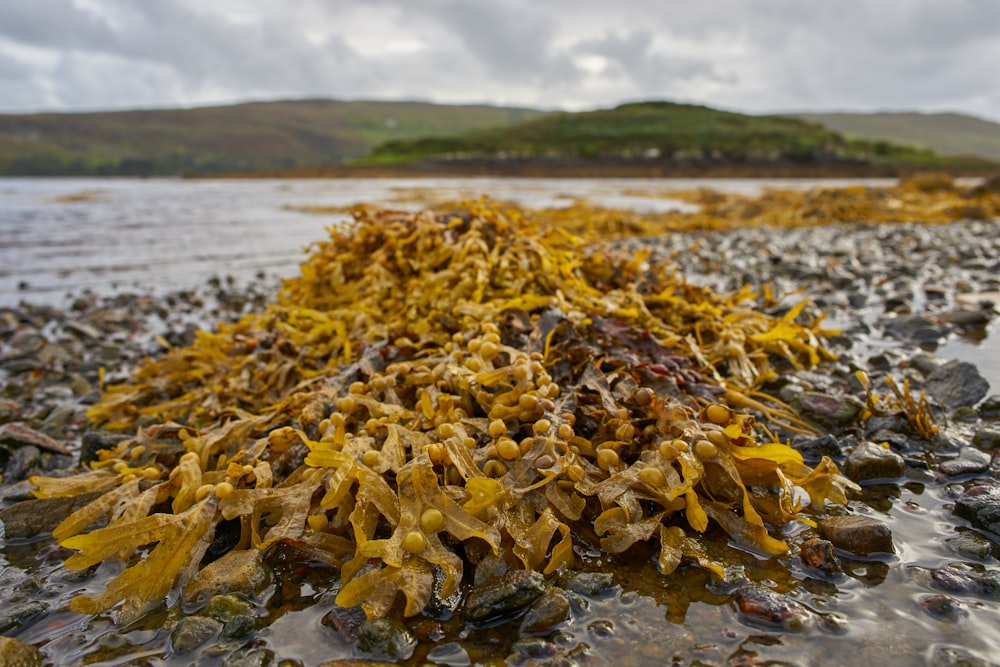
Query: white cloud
[[761, 56]]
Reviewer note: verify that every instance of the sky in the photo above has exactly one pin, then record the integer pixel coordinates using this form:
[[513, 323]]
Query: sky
[[742, 55]]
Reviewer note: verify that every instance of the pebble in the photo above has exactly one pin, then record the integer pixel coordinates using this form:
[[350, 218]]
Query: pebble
[[239, 571], [763, 607], [857, 534], [869, 462], [957, 384], [386, 639], [980, 506], [987, 438], [969, 461], [990, 407], [506, 595], [820, 555], [828, 410], [549, 610], [17, 434], [193, 631]]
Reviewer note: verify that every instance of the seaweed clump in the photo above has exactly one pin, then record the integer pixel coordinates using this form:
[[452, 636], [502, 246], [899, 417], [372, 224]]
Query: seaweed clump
[[441, 385]]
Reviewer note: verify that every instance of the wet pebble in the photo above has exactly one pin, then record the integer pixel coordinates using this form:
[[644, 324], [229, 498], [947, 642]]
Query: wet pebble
[[829, 410], [504, 596], [969, 461], [763, 607], [236, 614], [857, 534], [589, 583], [942, 607], [546, 612], [990, 407], [385, 639], [980, 506], [869, 462], [956, 384], [820, 555], [970, 544], [193, 631], [987, 438], [956, 656]]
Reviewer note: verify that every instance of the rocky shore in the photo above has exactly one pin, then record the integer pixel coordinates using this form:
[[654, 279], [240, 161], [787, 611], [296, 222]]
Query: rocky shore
[[922, 537]]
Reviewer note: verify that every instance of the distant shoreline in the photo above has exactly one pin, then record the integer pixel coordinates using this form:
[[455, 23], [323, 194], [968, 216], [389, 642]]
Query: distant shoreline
[[599, 169]]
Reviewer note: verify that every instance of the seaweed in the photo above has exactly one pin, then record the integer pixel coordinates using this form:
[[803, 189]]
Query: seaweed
[[439, 384]]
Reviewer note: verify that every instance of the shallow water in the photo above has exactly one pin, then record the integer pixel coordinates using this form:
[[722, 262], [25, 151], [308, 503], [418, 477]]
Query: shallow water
[[61, 236]]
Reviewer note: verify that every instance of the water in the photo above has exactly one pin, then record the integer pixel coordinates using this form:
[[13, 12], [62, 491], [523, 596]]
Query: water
[[64, 235]]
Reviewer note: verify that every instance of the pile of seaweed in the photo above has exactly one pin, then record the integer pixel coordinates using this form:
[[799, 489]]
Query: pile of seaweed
[[443, 385]]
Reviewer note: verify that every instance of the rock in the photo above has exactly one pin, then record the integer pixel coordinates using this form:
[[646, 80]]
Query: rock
[[547, 611], [969, 461], [386, 639], [819, 555], [869, 462], [589, 583], [814, 449], [980, 506], [19, 615], [193, 631], [240, 571], [970, 544], [858, 535], [451, 653], [236, 614], [504, 596], [956, 656], [990, 407], [22, 462], [345, 622], [956, 384], [762, 606], [828, 410], [987, 438], [942, 607], [917, 329], [15, 653], [29, 518], [17, 434], [250, 657]]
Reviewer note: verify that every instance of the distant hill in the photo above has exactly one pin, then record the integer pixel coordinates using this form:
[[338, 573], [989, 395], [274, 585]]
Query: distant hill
[[658, 133], [944, 133], [244, 137]]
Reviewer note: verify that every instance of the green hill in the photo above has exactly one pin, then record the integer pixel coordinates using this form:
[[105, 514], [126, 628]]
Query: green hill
[[245, 137], [654, 132], [944, 133]]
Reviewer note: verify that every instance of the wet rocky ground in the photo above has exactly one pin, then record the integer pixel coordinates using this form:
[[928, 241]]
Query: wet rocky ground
[[907, 574]]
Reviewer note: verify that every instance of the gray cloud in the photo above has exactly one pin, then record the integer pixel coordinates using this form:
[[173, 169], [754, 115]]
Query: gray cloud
[[761, 56]]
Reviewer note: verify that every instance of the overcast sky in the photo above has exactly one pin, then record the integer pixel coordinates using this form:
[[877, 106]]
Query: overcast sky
[[744, 55]]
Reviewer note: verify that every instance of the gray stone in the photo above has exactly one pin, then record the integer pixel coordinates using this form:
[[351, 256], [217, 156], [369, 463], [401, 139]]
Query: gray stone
[[980, 506], [547, 611], [504, 596], [386, 639], [970, 544], [987, 438], [990, 408], [956, 384], [17, 434], [193, 631], [589, 583], [969, 461], [829, 410], [858, 535], [29, 518], [869, 462]]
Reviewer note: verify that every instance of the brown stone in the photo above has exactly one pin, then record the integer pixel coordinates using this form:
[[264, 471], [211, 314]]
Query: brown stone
[[858, 535]]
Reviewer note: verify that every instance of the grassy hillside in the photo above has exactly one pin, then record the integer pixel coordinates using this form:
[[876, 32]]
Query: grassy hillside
[[244, 137], [654, 131], [944, 133]]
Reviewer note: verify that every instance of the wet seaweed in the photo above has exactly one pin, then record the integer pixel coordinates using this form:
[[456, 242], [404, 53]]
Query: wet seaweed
[[442, 384]]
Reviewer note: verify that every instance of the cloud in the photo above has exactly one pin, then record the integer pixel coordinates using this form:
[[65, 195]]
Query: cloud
[[768, 55]]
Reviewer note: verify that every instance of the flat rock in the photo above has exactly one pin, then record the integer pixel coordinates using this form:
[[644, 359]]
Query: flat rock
[[987, 438], [15, 653], [957, 384], [980, 506], [969, 461], [29, 518], [857, 534]]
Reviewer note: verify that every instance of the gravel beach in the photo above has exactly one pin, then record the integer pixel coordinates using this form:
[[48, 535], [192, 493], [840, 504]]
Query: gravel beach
[[916, 580]]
